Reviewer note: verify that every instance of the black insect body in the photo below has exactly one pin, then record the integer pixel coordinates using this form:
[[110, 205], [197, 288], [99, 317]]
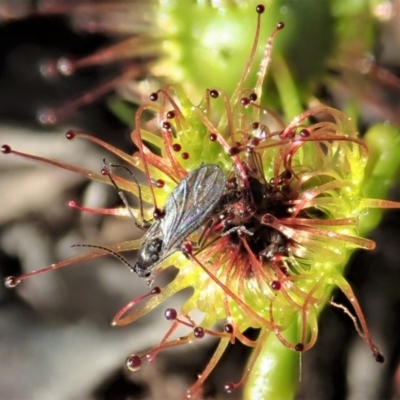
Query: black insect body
[[150, 251], [245, 216], [188, 207]]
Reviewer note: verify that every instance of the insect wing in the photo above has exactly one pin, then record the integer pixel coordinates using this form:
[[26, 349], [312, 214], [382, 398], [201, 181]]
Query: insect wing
[[191, 204]]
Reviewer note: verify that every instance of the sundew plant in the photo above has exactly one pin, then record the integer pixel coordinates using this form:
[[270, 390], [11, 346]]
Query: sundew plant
[[294, 207]]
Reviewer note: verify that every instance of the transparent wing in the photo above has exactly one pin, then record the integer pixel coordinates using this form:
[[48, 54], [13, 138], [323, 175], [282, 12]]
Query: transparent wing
[[191, 204]]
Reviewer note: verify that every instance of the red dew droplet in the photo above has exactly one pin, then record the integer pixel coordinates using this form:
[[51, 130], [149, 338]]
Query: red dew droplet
[[229, 387], [158, 214], [299, 347], [214, 93], [176, 147], [276, 285], [154, 96], [171, 114], [6, 149], [228, 328], [11, 281], [244, 101], [260, 9], [185, 156], [280, 25], [133, 363], [304, 133], [65, 66], [255, 125], [72, 204], [160, 183], [166, 125], [70, 135], [198, 332], [104, 171], [187, 248], [276, 258], [170, 314], [233, 151], [379, 357], [284, 270], [253, 97], [155, 290], [255, 142], [267, 219], [213, 137]]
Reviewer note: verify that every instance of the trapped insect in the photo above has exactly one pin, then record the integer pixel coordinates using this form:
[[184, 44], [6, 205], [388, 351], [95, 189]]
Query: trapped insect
[[188, 207], [247, 206]]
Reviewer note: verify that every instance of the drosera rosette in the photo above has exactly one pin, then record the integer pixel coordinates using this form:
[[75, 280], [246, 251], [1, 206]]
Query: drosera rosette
[[277, 244]]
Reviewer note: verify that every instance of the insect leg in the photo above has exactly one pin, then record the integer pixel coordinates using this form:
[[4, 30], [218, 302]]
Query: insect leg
[[239, 229], [204, 236], [106, 171]]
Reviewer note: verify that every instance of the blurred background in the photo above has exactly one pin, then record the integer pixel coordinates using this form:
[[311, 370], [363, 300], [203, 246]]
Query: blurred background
[[56, 341]]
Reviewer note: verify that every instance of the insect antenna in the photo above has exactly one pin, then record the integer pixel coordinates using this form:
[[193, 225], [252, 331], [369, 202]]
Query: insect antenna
[[107, 172], [112, 252]]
